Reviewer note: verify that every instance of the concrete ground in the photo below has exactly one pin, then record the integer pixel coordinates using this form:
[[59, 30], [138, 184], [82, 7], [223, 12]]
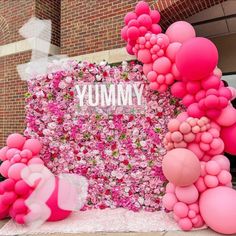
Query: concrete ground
[[206, 232]]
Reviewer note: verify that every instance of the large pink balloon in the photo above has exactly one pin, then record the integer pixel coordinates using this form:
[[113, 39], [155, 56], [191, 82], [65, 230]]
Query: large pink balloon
[[197, 58], [181, 167], [228, 136], [180, 31], [15, 141], [56, 212], [218, 209], [227, 116], [147, 68]]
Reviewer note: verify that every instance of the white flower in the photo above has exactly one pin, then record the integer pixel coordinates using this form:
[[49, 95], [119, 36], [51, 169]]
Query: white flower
[[68, 79], [62, 85]]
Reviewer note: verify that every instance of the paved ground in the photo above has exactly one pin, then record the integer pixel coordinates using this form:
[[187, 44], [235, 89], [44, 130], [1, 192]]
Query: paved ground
[[170, 233]]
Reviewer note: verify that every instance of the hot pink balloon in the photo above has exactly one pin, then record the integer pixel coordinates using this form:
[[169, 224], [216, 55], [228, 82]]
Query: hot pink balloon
[[218, 209], [144, 56], [181, 167], [156, 29], [178, 89], [3, 152], [169, 200], [142, 8], [15, 141], [147, 68], [194, 111], [129, 49], [197, 58], [14, 171], [180, 31], [162, 65], [228, 136], [155, 16], [133, 33], [145, 20], [124, 33], [152, 76], [33, 145], [227, 116], [130, 16]]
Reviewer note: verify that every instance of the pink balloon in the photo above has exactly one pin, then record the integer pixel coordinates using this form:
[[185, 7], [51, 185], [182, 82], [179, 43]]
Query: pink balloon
[[185, 224], [133, 33], [188, 194], [154, 86], [142, 8], [3, 152], [181, 167], [169, 200], [35, 160], [180, 209], [162, 65], [33, 145], [124, 33], [8, 198], [152, 76], [180, 31], [56, 212], [194, 147], [14, 171], [227, 116], [223, 161], [4, 167], [155, 16], [228, 136], [156, 29], [129, 49], [22, 188], [178, 89], [197, 58], [8, 185], [12, 152], [170, 188], [182, 116], [142, 30], [172, 50], [145, 20], [130, 16], [15, 141], [144, 56], [218, 209], [194, 111], [211, 82], [19, 206]]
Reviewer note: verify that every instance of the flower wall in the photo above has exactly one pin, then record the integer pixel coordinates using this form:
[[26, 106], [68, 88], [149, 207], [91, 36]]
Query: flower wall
[[120, 154]]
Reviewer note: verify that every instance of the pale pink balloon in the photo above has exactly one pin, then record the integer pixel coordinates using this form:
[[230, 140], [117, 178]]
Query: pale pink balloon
[[169, 200], [12, 152], [180, 31], [188, 194], [144, 56], [228, 136], [4, 167], [172, 50], [218, 209], [217, 72], [182, 116], [227, 116], [211, 181], [35, 160], [224, 177], [185, 224], [185, 128], [197, 58], [154, 86], [170, 188], [15, 141], [181, 167], [147, 68], [173, 125], [142, 8], [162, 65], [233, 91], [213, 168], [180, 209], [223, 161], [200, 185], [152, 76], [3, 152], [14, 171], [33, 145]]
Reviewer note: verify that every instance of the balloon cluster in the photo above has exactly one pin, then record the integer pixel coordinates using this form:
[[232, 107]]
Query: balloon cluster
[[25, 172], [157, 51], [200, 181]]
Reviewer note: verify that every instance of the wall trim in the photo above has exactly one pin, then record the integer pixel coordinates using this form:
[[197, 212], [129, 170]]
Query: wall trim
[[111, 56], [27, 45]]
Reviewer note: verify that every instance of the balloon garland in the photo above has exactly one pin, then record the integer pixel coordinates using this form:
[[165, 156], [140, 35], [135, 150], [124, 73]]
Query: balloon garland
[[199, 189], [31, 194]]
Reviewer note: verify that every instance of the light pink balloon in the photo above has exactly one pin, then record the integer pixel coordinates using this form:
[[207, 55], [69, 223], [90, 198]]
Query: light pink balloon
[[169, 200], [35, 160], [33, 145], [233, 91], [170, 188], [182, 116], [3, 152], [180, 209], [152, 76], [181, 167], [172, 50], [144, 56], [180, 31], [197, 58], [4, 167], [162, 65], [194, 147], [147, 68], [223, 161], [188, 194], [12, 152], [15, 141], [218, 209], [185, 224], [227, 116], [14, 171]]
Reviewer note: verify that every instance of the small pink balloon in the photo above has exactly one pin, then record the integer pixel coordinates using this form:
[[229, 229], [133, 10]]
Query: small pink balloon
[[156, 29], [142, 8], [15, 141], [133, 23], [124, 33], [224, 177], [33, 145], [4, 167], [154, 86], [185, 128], [22, 188], [152, 76], [155, 16], [14, 171], [162, 65], [180, 31], [188, 100], [147, 68], [19, 206], [26, 154], [35, 160], [3, 152], [181, 167], [213, 168], [193, 87], [225, 92], [144, 56], [8, 198], [223, 161], [170, 188], [194, 111], [182, 116], [133, 33], [169, 200], [190, 137], [145, 20], [129, 49], [173, 125], [130, 16], [142, 30], [228, 136], [185, 224], [162, 88], [11, 152], [218, 209], [187, 194], [172, 50], [200, 185], [211, 181], [211, 82], [8, 185], [180, 209], [178, 89]]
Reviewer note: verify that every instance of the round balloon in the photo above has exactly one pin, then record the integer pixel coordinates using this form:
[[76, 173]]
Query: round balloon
[[228, 136], [181, 167], [197, 58], [218, 209]]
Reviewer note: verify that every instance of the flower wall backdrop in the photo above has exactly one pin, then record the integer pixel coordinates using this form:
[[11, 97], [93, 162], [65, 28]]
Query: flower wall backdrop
[[120, 154]]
